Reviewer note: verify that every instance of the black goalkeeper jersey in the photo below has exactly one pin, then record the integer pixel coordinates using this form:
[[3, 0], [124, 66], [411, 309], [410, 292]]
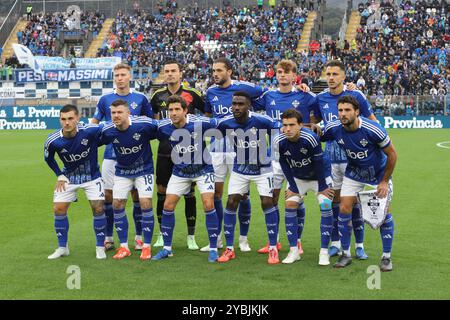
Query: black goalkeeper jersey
[[158, 100]]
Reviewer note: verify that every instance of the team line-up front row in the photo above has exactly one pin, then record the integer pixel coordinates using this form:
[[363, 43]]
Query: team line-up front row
[[295, 149]]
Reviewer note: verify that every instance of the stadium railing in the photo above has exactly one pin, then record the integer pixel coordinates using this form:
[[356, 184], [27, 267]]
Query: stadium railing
[[111, 7]]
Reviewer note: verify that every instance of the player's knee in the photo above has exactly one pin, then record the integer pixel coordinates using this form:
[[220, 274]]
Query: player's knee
[[169, 205], [208, 204], [218, 194], [346, 208], [108, 196], [135, 195], [98, 209], [276, 199], [59, 209], [233, 201], [161, 189], [266, 203], [291, 205], [146, 204], [118, 204]]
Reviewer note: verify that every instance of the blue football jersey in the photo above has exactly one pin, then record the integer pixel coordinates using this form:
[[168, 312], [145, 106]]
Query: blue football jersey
[[190, 155], [139, 106], [78, 154], [274, 103], [218, 102], [132, 147], [363, 147], [326, 108], [302, 159], [250, 143]]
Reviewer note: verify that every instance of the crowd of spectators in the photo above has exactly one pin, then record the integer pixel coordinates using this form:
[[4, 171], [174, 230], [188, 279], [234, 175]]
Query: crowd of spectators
[[42, 30], [401, 49], [254, 39]]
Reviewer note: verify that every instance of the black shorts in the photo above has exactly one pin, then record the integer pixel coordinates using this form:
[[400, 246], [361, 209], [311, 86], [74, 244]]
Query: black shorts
[[164, 166]]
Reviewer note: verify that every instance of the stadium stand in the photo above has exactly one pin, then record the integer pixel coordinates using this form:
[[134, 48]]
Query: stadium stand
[[401, 49], [253, 39], [42, 30]]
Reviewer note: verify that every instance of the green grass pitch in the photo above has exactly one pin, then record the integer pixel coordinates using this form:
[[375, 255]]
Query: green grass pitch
[[420, 254]]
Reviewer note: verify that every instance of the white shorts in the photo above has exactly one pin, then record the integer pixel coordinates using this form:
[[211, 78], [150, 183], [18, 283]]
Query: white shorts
[[223, 164], [304, 186], [144, 185], [240, 184], [108, 170], [94, 191], [337, 174], [350, 188], [181, 186], [278, 175]]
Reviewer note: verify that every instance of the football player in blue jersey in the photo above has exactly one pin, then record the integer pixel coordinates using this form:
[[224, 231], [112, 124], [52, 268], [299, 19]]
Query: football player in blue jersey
[[326, 110], [306, 168], [192, 164], [77, 147], [274, 103], [139, 106], [218, 100], [371, 161], [247, 132], [130, 138]]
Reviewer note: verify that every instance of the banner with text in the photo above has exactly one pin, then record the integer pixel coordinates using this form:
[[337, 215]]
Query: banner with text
[[30, 118], [419, 122], [47, 63], [62, 75]]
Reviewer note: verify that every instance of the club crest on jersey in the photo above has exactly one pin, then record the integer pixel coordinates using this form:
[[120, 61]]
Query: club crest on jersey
[[295, 103], [194, 135], [364, 142], [215, 98], [136, 136], [303, 150], [84, 142], [64, 150], [273, 103], [253, 130], [133, 105], [116, 141]]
